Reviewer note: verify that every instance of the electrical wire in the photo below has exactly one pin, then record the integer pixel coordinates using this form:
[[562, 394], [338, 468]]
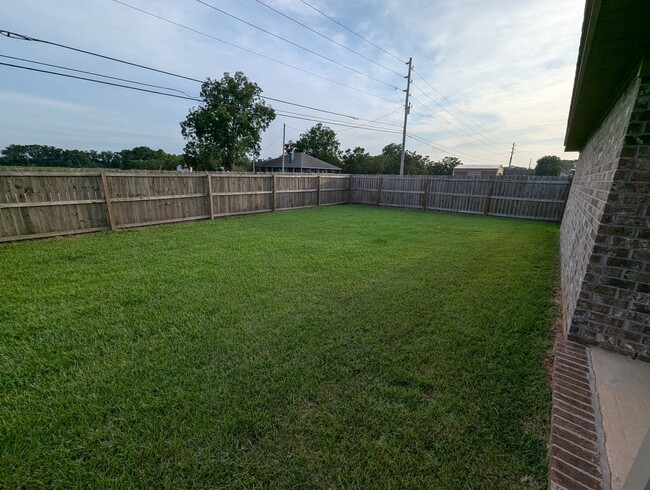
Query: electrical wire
[[440, 147], [451, 123], [103, 82], [250, 51], [451, 104], [351, 31], [311, 51], [328, 38], [97, 74]]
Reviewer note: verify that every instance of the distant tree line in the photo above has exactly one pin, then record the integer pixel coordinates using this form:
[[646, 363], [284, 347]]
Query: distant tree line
[[141, 157]]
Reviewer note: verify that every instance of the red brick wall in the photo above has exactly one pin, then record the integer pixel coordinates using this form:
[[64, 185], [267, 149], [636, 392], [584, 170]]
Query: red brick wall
[[605, 237]]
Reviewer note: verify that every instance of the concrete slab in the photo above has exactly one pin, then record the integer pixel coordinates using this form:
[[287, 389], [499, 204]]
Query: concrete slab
[[623, 388]]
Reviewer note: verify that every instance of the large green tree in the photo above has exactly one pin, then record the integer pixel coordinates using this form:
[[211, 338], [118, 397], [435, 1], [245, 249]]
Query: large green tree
[[227, 125], [548, 165], [318, 141]]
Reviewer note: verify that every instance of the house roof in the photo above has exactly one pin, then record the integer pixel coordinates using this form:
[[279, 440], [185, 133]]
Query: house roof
[[487, 166], [300, 160], [614, 41]]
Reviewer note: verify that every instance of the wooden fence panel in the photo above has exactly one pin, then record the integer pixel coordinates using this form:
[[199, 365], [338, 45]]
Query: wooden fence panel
[[42, 204], [235, 194], [296, 191], [334, 189], [150, 199], [34, 205]]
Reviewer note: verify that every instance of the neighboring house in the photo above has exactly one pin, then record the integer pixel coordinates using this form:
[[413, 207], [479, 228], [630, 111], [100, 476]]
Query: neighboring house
[[478, 170], [297, 162], [605, 233]]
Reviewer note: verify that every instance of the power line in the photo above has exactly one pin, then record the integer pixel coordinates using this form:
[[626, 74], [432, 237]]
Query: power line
[[20, 36], [451, 123], [100, 82], [447, 130], [328, 38], [377, 119], [351, 31], [250, 51], [307, 117], [270, 145], [96, 74], [451, 104], [458, 128], [13, 35], [453, 152], [397, 58], [331, 60]]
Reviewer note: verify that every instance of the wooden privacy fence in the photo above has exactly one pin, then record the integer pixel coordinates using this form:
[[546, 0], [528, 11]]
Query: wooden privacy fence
[[538, 198], [45, 204]]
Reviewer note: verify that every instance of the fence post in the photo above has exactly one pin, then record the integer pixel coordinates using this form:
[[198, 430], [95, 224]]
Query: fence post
[[273, 196], [210, 202], [318, 190], [425, 194], [350, 190], [379, 188], [486, 206], [107, 198]]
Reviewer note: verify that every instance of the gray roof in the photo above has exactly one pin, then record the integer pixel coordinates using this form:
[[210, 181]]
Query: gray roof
[[299, 160], [614, 39]]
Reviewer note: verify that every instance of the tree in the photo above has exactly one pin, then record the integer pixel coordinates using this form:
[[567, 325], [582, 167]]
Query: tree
[[319, 141], [445, 166], [358, 161], [226, 126], [548, 165]]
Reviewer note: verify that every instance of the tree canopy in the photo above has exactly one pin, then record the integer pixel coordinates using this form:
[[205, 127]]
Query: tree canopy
[[318, 141], [141, 157], [548, 165], [227, 125]]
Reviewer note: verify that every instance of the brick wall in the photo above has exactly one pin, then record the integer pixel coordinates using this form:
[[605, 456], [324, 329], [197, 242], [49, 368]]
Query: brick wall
[[605, 236]]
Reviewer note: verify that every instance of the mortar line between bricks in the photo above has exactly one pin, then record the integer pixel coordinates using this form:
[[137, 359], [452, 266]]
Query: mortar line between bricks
[[573, 359], [560, 411], [595, 453], [568, 383], [573, 382], [588, 463], [573, 482], [576, 469]]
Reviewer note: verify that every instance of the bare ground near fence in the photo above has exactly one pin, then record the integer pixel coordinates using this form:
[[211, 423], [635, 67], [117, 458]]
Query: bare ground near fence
[[47, 204]]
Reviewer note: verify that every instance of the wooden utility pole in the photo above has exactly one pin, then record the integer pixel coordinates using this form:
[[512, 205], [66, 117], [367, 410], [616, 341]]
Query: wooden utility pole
[[284, 130], [512, 152], [407, 109]]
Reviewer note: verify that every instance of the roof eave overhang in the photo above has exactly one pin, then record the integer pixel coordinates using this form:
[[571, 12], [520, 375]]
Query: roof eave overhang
[[614, 41]]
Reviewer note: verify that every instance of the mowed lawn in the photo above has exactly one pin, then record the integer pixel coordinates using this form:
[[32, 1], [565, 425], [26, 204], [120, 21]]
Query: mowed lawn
[[334, 347]]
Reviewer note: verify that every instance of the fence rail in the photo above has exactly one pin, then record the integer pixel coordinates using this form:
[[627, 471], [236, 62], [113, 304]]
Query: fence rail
[[46, 204]]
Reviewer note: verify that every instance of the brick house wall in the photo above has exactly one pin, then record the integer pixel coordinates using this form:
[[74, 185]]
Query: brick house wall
[[605, 234]]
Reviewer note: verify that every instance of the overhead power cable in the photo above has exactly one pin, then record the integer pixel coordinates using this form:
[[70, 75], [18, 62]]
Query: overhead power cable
[[103, 82], [250, 51], [98, 75], [398, 58], [457, 127], [20, 36], [333, 123], [453, 152], [351, 31], [451, 104], [328, 38], [315, 53]]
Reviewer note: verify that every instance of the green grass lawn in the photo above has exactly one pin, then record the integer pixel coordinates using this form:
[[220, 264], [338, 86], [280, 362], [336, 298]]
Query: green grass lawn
[[340, 347]]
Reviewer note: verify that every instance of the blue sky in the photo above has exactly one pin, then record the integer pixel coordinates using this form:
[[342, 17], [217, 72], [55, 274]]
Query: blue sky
[[508, 65]]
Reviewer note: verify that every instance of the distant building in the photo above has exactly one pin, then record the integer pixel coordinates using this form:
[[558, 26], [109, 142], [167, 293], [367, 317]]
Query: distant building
[[478, 170], [297, 162]]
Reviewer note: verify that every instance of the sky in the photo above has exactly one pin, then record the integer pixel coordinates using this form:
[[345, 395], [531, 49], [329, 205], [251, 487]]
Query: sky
[[487, 73]]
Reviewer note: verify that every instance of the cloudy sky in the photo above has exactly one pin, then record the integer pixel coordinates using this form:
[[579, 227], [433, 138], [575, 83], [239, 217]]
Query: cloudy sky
[[487, 72]]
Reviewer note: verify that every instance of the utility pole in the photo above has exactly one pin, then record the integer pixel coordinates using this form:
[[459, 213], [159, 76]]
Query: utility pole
[[284, 130], [530, 163], [407, 109], [512, 152]]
